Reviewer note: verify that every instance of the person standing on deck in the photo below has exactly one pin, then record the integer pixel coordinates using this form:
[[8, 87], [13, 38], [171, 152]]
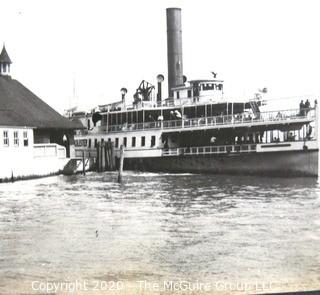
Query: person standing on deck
[[307, 106], [301, 106]]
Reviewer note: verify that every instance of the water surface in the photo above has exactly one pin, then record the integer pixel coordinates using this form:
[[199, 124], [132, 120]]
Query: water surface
[[159, 227]]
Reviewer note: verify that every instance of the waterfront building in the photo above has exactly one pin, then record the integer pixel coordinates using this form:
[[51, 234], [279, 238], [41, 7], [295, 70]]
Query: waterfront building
[[34, 139]]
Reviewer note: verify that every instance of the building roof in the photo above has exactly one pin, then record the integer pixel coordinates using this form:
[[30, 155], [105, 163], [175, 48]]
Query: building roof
[[20, 107], [4, 56]]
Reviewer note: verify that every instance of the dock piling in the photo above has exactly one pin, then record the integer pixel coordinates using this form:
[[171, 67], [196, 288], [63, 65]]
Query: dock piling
[[83, 164], [105, 159], [121, 164]]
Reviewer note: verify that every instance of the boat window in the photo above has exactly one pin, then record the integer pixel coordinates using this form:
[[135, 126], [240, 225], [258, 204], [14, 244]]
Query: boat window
[[125, 142], [153, 140], [208, 86], [117, 142], [133, 142], [143, 140]]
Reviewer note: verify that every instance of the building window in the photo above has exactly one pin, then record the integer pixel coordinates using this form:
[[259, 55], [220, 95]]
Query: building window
[[143, 140], [189, 93], [153, 140], [95, 142], [102, 141], [125, 142], [178, 94], [5, 138], [117, 142], [25, 138], [89, 143], [133, 143], [88, 124], [109, 139], [16, 138]]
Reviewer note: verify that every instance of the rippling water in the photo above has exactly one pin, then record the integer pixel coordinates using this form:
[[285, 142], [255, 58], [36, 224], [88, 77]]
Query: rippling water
[[158, 227]]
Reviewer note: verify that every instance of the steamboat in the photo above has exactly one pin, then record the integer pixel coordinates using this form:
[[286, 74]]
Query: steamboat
[[198, 130]]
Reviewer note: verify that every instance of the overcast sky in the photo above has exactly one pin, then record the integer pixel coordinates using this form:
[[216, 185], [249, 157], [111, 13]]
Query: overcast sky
[[106, 45]]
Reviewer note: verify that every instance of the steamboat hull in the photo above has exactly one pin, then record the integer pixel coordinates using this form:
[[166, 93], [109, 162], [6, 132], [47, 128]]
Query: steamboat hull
[[285, 163]]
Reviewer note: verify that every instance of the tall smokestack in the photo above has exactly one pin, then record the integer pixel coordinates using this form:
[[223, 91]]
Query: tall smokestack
[[174, 43]]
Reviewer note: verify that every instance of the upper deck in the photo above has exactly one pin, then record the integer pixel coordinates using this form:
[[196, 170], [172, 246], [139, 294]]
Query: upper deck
[[265, 119]]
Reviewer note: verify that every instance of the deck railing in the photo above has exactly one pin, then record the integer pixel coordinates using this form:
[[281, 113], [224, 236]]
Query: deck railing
[[49, 150], [222, 149], [282, 116]]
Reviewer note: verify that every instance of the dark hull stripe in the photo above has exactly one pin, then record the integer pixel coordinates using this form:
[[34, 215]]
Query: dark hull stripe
[[286, 163]]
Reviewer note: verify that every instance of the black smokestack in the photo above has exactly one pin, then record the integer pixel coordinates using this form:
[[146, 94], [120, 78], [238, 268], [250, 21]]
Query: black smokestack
[[174, 43]]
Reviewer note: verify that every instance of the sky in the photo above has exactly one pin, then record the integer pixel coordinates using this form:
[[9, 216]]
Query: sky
[[76, 52]]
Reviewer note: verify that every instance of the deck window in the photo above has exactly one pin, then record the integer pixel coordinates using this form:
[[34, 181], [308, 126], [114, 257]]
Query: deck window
[[117, 142], [5, 138], [25, 138], [153, 140], [133, 142], [143, 140], [125, 142], [16, 138]]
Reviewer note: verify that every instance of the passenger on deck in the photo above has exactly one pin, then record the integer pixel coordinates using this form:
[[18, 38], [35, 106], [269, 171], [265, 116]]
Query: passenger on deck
[[301, 107], [291, 137], [309, 132], [279, 116], [307, 106]]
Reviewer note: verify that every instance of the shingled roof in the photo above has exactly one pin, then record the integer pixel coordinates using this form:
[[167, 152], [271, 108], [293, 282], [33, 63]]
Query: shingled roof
[[20, 107], [4, 56]]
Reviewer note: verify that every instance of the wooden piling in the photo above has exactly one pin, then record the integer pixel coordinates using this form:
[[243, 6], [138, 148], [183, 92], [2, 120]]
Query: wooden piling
[[105, 160], [103, 157], [107, 155], [98, 157], [121, 163], [83, 164], [112, 157]]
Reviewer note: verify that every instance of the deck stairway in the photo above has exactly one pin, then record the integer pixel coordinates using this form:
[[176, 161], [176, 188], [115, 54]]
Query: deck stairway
[[255, 108], [72, 166]]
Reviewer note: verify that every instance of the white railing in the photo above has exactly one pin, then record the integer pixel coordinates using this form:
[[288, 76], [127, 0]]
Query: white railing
[[222, 149], [243, 119], [49, 150]]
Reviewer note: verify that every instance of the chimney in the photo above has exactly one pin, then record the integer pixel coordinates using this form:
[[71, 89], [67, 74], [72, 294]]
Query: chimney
[[174, 45]]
